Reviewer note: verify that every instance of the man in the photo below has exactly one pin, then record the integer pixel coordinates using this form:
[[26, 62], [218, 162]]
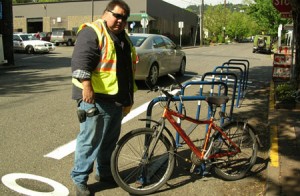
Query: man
[[103, 85]]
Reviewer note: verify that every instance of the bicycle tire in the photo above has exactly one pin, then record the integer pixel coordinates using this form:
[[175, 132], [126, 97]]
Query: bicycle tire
[[140, 175], [235, 167]]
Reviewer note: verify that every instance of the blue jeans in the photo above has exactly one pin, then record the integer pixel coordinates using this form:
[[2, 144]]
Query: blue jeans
[[96, 141]]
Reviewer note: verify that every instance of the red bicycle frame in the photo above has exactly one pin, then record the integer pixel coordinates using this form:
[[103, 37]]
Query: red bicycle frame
[[169, 115]]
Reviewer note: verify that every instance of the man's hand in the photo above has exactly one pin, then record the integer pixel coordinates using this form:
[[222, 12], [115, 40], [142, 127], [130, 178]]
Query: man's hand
[[88, 91]]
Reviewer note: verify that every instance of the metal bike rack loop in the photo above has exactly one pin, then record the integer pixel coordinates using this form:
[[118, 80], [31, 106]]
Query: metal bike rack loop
[[193, 126], [248, 67], [164, 99], [240, 81], [234, 85], [245, 74]]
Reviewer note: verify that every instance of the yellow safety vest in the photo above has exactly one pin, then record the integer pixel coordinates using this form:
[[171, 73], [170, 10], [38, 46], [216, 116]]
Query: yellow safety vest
[[104, 76]]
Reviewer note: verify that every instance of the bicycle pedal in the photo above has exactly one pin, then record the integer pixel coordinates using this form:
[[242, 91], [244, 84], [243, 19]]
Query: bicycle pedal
[[192, 168]]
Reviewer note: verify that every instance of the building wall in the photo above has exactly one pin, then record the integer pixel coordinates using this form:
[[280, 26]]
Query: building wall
[[19, 25], [70, 15], [169, 16]]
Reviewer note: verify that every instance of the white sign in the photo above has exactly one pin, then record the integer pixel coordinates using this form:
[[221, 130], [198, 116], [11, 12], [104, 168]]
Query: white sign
[[180, 24], [279, 30], [144, 22]]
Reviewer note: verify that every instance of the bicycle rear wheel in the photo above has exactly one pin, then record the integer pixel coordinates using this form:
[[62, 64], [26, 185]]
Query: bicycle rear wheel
[[136, 169], [234, 167]]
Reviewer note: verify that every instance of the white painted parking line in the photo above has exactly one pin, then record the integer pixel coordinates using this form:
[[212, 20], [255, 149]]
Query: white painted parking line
[[135, 112], [62, 151], [31, 57], [69, 148]]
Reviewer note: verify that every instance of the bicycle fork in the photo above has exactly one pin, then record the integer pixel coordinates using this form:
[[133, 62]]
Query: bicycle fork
[[147, 172]]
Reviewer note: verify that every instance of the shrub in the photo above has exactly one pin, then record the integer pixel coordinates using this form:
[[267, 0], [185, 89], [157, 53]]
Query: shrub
[[285, 91]]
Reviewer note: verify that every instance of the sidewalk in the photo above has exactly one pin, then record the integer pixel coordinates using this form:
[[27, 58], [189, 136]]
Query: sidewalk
[[284, 166]]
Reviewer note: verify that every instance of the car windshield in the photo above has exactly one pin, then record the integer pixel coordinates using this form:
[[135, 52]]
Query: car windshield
[[26, 37], [137, 40], [42, 34], [57, 33]]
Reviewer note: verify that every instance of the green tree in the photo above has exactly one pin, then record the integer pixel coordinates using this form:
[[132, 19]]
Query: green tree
[[266, 16], [240, 25], [215, 21], [22, 1]]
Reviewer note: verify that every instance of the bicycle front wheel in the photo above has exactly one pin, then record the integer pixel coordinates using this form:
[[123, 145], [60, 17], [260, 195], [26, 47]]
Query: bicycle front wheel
[[141, 162], [234, 167]]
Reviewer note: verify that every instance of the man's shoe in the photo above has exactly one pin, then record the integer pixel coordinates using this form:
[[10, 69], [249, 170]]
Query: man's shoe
[[82, 190], [106, 179]]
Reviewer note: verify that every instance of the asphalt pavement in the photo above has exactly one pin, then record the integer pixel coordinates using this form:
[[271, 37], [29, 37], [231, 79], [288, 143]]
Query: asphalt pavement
[[280, 159]]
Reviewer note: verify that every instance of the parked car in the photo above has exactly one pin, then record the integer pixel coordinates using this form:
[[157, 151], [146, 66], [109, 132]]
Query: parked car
[[157, 56], [30, 44], [46, 36], [63, 37], [262, 43]]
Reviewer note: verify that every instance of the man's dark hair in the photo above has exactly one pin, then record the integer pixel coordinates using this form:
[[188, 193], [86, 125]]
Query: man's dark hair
[[122, 4]]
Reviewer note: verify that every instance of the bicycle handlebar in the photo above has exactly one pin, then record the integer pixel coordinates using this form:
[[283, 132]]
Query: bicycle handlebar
[[165, 91]]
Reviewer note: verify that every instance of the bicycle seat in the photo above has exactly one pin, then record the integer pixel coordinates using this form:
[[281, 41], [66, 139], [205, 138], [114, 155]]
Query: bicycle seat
[[217, 100]]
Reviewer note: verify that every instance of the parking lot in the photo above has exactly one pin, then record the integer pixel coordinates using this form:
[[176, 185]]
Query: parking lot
[[39, 123]]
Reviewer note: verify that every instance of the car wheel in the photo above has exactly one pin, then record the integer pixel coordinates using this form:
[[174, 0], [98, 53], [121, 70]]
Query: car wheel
[[69, 43], [56, 44], [153, 75], [261, 43], [29, 50], [181, 68]]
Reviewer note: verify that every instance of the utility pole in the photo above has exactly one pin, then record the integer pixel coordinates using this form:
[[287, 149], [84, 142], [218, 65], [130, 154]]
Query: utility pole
[[92, 10], [6, 29], [201, 8]]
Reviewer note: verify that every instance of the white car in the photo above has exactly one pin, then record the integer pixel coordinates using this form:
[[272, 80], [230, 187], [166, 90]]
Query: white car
[[30, 44]]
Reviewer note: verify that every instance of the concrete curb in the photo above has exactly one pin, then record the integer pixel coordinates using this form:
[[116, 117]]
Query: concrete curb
[[272, 181]]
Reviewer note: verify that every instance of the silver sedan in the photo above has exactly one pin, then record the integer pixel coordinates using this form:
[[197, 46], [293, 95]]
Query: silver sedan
[[157, 56]]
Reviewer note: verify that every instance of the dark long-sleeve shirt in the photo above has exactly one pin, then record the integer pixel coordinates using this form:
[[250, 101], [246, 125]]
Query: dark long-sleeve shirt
[[86, 56]]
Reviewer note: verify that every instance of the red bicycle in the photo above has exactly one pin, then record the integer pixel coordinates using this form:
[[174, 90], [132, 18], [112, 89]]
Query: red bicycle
[[144, 158]]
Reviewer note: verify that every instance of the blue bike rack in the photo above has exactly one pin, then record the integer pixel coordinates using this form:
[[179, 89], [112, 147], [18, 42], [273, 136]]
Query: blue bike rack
[[233, 89], [201, 97], [201, 83], [245, 62], [164, 99], [245, 74], [240, 81]]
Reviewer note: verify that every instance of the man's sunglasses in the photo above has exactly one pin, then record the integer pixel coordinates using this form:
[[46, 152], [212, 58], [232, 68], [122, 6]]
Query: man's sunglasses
[[118, 16]]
